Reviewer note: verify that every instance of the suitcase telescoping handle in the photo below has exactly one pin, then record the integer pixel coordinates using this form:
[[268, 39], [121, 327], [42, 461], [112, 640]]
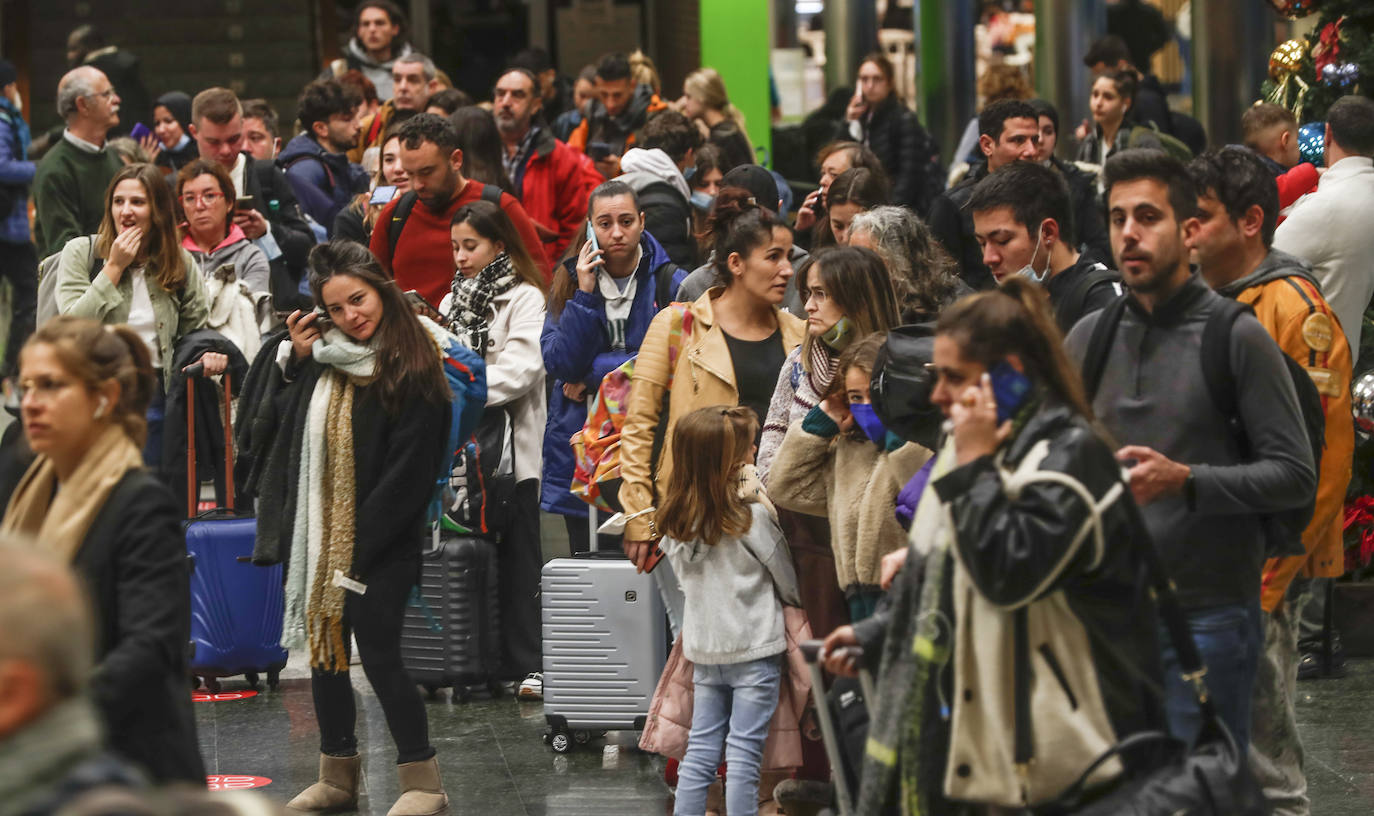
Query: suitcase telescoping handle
[[811, 651], [191, 373]]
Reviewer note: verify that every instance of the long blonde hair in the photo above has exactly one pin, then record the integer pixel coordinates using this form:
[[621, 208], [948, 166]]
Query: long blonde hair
[[706, 86], [702, 501]]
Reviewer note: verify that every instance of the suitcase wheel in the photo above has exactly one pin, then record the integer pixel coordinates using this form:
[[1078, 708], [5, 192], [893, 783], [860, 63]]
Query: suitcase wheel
[[195, 683], [212, 685], [582, 737], [273, 678], [496, 688], [558, 740], [252, 678], [431, 691], [461, 693]]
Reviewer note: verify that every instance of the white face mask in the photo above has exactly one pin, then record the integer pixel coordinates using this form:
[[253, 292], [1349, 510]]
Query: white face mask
[[1028, 271]]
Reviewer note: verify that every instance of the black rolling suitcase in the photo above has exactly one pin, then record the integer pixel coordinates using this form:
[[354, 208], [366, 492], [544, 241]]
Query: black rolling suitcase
[[451, 635]]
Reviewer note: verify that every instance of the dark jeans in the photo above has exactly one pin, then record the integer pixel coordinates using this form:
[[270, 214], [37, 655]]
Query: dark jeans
[[1230, 639], [375, 620], [156, 415], [19, 264], [520, 560]]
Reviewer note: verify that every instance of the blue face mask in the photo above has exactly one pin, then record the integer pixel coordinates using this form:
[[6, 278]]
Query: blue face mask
[[868, 422], [701, 200]]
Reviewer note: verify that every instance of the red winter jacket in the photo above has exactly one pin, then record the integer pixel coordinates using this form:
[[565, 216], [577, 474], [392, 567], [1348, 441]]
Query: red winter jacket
[[554, 188]]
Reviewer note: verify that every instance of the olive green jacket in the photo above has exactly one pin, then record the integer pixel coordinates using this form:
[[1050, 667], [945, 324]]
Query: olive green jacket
[[178, 313]]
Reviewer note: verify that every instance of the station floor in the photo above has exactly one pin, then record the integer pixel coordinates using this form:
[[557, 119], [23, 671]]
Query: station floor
[[495, 763]]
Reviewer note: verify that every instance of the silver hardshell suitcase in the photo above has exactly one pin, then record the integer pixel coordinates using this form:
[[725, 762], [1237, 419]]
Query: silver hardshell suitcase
[[605, 644]]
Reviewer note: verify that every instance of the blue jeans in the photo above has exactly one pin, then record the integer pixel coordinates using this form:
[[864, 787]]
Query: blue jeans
[[1229, 638], [732, 706]]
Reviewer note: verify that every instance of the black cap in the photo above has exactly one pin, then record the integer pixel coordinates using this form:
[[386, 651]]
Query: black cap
[[7, 73], [756, 180]]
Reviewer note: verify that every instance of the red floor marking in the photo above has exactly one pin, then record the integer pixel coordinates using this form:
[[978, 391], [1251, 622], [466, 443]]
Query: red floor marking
[[223, 696], [223, 782]]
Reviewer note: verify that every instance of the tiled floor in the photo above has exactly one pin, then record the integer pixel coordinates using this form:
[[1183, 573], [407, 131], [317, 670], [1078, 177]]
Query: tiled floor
[[495, 762]]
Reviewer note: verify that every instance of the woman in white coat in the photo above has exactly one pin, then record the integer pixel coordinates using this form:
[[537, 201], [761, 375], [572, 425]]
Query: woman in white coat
[[496, 307]]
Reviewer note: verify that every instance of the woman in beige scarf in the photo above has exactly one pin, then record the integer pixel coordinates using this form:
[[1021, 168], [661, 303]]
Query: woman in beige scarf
[[87, 499]]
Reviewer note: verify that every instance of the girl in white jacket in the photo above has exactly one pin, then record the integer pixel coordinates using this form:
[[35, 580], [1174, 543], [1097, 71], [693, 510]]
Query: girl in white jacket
[[496, 307], [729, 555]]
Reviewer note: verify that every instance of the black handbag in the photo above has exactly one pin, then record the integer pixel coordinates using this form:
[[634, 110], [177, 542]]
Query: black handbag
[[1209, 778]]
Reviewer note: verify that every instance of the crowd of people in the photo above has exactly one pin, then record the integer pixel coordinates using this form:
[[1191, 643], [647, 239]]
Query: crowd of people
[[1126, 371]]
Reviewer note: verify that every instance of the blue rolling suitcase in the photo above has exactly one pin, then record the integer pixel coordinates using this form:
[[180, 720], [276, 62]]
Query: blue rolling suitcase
[[236, 608]]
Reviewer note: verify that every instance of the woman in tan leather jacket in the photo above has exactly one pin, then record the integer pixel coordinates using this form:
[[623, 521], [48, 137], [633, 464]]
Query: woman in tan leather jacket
[[726, 350]]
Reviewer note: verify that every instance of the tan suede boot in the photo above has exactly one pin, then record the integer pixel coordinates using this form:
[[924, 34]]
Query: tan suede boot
[[336, 790], [422, 791]]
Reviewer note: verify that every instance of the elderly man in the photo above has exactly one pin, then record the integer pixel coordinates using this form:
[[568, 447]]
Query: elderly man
[[51, 748], [69, 187]]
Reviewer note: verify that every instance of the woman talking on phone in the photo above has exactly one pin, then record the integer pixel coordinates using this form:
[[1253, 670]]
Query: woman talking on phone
[[877, 119], [1005, 544], [372, 407], [602, 300]]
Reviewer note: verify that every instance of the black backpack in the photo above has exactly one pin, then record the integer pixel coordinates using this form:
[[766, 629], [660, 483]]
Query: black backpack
[[490, 192], [1282, 530], [481, 492], [1071, 305]]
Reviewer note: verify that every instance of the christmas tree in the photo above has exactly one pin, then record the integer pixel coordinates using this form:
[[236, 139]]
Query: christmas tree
[[1337, 58]]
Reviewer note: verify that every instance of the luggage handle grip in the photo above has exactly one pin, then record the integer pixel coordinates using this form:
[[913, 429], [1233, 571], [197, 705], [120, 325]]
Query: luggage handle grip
[[191, 372]]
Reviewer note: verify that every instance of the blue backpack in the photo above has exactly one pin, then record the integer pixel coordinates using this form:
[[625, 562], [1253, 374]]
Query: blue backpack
[[466, 373]]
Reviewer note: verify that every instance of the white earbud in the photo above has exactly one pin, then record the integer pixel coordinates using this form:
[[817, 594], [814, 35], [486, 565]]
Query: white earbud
[[100, 409]]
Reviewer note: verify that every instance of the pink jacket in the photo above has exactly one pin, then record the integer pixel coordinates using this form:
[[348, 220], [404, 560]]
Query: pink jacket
[[670, 713]]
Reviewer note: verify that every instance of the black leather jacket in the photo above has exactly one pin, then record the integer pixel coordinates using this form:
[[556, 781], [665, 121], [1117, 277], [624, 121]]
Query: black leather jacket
[[909, 154]]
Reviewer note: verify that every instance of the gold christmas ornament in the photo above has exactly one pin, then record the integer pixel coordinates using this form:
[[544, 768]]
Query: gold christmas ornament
[[1284, 62]]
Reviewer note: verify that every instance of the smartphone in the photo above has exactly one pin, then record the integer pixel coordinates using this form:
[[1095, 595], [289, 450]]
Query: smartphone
[[322, 321], [383, 194], [246, 202], [653, 559], [596, 151], [140, 132], [591, 236], [1009, 388], [421, 306]]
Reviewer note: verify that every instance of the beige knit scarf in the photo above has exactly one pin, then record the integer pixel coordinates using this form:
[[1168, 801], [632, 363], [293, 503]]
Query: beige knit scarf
[[60, 519], [324, 617]]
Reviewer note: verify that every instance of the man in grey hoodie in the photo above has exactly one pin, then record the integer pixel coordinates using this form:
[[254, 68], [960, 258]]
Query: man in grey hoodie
[[1201, 500], [379, 39]]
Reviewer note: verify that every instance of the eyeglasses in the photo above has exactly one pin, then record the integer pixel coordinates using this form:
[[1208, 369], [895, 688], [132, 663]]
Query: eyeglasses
[[42, 389], [191, 199], [109, 92]]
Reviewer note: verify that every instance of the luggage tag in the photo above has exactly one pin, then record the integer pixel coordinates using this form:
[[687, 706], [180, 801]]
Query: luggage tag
[[341, 580], [615, 525]]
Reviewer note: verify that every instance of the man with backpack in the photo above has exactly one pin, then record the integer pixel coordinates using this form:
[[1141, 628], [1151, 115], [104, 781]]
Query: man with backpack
[[1216, 444], [316, 161], [411, 238], [1238, 205], [1022, 218]]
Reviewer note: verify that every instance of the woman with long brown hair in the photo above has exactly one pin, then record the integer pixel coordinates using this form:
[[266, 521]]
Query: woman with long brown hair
[[88, 500], [496, 308], [356, 221], [1026, 563], [135, 272], [372, 408]]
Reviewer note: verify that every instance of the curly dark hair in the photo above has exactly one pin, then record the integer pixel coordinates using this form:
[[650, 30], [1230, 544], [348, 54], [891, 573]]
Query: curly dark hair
[[324, 98], [432, 128], [1238, 179]]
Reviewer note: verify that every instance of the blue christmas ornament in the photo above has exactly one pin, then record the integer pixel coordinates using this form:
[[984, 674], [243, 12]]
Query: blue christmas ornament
[[1331, 73], [1312, 142], [1349, 74]]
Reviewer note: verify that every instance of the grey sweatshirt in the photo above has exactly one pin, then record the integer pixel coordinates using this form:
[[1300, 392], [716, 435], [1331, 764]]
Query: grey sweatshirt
[[733, 612], [1153, 394], [250, 265]]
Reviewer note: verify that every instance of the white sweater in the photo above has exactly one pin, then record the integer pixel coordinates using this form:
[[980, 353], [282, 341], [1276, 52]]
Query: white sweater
[[515, 370], [733, 590]]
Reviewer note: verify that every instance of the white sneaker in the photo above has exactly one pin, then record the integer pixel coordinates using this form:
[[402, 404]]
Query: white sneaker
[[532, 687]]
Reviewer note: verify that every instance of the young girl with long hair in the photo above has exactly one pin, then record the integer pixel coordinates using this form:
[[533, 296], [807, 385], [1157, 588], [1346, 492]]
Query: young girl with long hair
[[371, 408], [840, 462], [731, 558], [496, 308]]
